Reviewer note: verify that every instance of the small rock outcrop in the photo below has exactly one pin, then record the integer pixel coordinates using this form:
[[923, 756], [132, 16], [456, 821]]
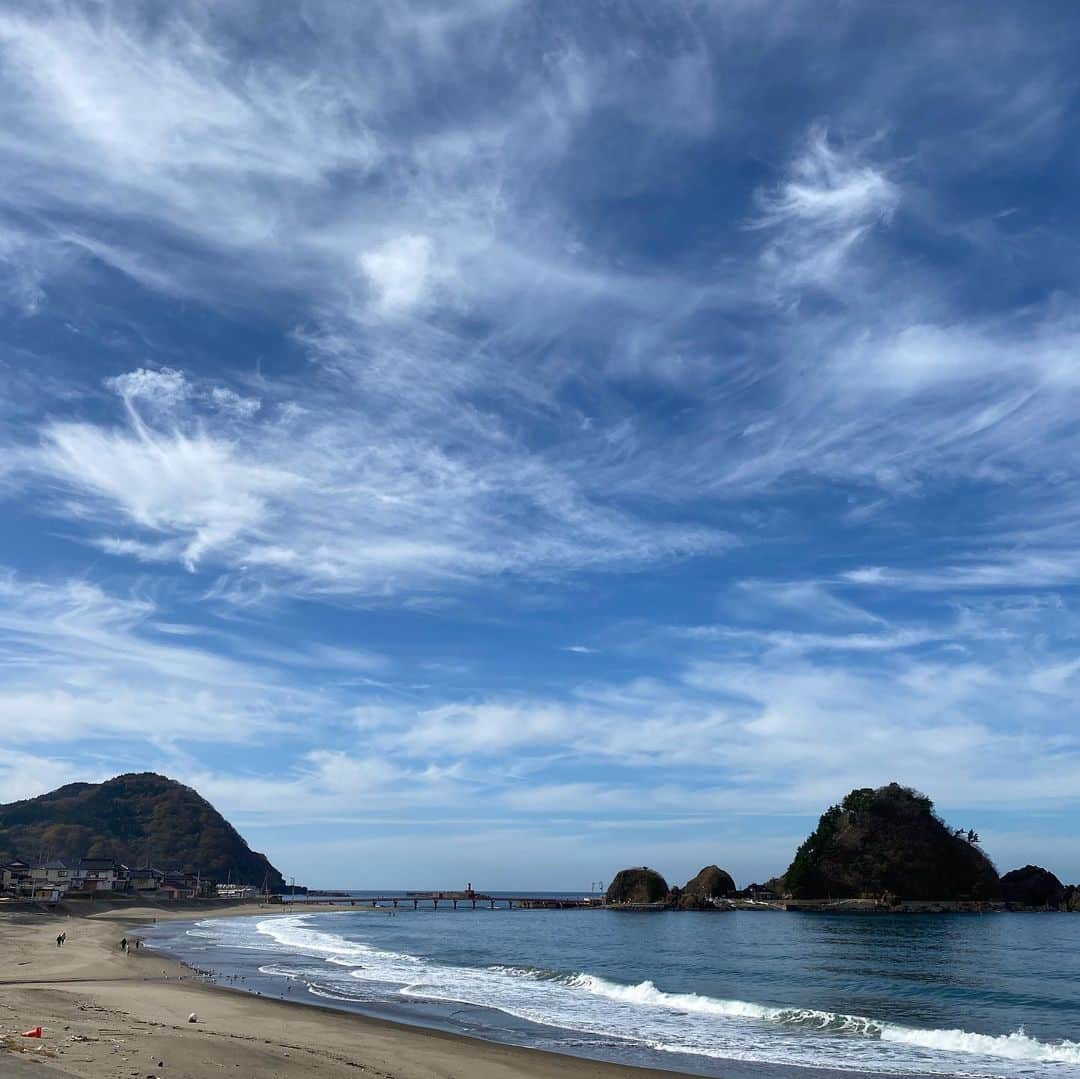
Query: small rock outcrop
[[889, 842], [1032, 886], [642, 885], [711, 883]]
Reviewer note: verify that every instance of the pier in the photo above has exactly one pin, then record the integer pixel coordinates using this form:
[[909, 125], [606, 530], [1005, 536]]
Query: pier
[[474, 900]]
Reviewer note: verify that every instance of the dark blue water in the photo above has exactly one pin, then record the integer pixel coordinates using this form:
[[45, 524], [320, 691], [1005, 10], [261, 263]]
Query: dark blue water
[[741, 993]]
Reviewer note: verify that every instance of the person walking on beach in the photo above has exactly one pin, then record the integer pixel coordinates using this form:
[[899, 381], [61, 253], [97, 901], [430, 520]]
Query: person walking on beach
[[123, 945], [63, 938], [59, 940]]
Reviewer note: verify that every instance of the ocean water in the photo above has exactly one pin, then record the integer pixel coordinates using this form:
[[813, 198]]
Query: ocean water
[[724, 994]]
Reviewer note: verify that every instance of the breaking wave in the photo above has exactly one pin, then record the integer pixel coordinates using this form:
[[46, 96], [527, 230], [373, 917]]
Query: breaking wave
[[1015, 1046]]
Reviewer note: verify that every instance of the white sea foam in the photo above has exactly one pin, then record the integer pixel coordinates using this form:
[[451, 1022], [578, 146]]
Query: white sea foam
[[1014, 1046], [647, 995], [646, 1015], [293, 932]]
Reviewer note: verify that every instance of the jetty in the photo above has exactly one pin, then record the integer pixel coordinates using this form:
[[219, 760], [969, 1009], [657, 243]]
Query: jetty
[[433, 900]]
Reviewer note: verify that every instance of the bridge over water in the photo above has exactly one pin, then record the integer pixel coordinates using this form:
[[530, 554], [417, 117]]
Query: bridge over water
[[433, 900]]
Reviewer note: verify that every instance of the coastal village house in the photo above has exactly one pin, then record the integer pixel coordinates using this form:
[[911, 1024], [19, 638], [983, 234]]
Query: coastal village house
[[13, 875], [47, 880], [145, 879], [188, 886], [55, 873], [52, 880], [98, 875]]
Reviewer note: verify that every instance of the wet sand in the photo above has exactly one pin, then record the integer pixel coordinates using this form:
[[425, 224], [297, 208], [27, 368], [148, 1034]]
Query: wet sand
[[107, 1014]]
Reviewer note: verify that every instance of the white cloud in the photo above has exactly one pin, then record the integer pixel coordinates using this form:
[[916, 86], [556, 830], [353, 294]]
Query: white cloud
[[292, 166], [812, 600], [829, 198], [785, 725], [26, 775], [78, 664], [400, 271], [792, 641], [901, 717], [485, 729], [164, 392], [386, 472], [281, 180], [91, 82], [315, 500], [1037, 568], [24, 267], [829, 187], [334, 785], [233, 404], [163, 389], [1017, 360], [193, 488]]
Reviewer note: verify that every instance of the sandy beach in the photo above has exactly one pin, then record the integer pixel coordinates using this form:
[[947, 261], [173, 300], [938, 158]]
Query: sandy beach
[[104, 1013]]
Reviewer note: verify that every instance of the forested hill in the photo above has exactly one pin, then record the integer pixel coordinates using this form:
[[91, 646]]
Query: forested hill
[[890, 841], [135, 818]]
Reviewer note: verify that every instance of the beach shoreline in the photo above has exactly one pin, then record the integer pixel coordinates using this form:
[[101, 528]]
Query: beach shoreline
[[104, 1012]]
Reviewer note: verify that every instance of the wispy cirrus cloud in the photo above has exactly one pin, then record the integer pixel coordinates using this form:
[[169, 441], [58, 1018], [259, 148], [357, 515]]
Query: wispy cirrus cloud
[[828, 200], [190, 488], [77, 663], [433, 263], [1015, 570], [298, 166], [294, 496]]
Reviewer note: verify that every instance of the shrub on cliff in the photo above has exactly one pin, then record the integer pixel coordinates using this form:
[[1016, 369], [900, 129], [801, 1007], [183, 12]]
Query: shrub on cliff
[[889, 841]]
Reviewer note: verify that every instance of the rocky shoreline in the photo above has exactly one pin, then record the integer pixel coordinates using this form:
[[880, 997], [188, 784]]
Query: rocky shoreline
[[877, 851]]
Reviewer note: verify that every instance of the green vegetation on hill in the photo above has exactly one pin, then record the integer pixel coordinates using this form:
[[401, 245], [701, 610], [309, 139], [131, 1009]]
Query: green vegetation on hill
[[712, 882], [135, 819], [889, 843], [1032, 886], [642, 885]]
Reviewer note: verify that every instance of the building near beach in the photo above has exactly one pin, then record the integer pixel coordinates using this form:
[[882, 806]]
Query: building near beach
[[15, 877], [56, 873], [237, 891], [145, 879], [98, 875], [55, 879], [51, 880]]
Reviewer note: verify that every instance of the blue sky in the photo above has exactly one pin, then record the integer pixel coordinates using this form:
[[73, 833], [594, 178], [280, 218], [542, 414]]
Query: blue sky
[[505, 442]]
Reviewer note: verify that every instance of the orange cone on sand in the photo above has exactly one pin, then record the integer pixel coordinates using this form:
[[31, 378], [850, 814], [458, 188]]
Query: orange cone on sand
[[35, 1033]]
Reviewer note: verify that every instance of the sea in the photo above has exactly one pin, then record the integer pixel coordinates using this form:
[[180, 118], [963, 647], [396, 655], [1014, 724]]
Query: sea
[[766, 994]]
